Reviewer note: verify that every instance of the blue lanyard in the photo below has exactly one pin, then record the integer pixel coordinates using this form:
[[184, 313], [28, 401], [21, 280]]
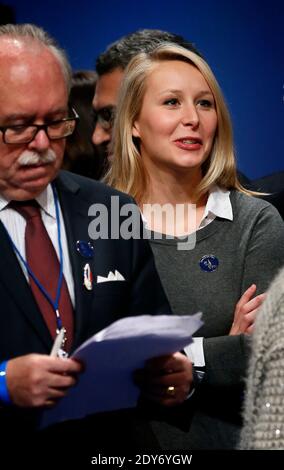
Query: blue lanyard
[[53, 303]]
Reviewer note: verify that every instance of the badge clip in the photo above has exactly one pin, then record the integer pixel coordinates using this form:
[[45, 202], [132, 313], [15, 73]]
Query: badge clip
[[88, 277]]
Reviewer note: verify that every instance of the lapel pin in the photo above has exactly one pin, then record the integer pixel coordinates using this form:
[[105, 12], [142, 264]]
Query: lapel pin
[[85, 249], [209, 263], [88, 277]]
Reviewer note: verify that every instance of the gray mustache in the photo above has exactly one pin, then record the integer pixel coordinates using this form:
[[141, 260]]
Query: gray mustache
[[33, 158]]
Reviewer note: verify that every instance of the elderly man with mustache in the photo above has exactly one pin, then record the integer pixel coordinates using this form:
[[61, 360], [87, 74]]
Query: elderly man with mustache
[[49, 266]]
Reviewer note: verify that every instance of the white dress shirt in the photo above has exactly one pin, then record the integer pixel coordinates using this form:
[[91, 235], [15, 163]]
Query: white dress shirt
[[15, 224]]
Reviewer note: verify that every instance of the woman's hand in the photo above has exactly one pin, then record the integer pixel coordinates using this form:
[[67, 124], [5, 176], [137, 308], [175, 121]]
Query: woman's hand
[[166, 380], [245, 311]]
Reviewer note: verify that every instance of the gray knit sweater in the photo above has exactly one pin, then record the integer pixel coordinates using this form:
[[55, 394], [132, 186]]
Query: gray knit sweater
[[264, 403], [249, 249]]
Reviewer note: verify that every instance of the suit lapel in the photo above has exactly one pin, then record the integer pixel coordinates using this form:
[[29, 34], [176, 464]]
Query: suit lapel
[[75, 211], [11, 275]]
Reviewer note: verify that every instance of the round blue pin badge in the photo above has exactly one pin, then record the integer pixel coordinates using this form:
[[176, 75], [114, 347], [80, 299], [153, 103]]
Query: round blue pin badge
[[85, 249], [209, 263]]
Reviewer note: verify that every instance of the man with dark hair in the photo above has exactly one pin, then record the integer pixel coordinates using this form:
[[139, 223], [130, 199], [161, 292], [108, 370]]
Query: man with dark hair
[[119, 53], [110, 66]]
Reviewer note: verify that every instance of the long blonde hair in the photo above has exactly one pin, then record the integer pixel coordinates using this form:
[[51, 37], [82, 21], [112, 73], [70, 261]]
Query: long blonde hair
[[127, 172]]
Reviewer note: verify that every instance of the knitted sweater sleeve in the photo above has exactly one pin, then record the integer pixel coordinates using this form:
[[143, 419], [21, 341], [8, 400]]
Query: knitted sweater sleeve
[[226, 356], [264, 399]]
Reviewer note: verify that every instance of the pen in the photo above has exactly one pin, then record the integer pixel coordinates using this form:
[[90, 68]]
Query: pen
[[58, 343]]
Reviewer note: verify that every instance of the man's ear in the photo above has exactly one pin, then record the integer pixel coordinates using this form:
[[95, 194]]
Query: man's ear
[[135, 129]]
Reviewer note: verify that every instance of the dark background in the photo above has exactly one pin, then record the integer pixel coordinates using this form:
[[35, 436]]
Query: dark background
[[243, 41]]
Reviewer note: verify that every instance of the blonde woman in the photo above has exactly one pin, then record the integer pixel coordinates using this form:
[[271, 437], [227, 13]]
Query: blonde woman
[[173, 152]]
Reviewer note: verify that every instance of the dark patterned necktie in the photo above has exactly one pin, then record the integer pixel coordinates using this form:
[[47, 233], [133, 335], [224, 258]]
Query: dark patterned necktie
[[42, 260]]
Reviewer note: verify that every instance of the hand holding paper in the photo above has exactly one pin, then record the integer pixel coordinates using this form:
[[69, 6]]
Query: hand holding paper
[[166, 380], [112, 355]]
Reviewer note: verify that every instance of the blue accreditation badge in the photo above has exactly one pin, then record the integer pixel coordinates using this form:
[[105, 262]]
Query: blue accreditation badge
[[209, 263], [85, 249]]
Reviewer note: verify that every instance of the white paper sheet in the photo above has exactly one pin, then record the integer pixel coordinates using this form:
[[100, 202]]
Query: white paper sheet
[[112, 355]]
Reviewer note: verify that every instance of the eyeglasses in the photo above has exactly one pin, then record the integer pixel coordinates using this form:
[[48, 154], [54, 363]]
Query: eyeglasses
[[105, 117], [55, 130]]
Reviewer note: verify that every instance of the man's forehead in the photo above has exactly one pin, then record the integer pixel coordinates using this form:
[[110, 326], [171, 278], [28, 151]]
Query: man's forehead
[[31, 87], [14, 47], [26, 72], [107, 88], [18, 56], [10, 46]]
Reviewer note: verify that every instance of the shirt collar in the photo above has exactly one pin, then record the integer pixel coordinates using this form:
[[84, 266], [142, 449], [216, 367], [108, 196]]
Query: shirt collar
[[219, 204], [45, 200]]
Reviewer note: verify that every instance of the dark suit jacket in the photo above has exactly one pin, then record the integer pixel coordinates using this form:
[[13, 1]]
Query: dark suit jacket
[[22, 328], [277, 200], [270, 183], [273, 185]]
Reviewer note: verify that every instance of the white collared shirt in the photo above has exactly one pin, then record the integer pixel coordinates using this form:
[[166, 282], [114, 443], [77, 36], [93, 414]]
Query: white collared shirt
[[218, 205], [15, 225]]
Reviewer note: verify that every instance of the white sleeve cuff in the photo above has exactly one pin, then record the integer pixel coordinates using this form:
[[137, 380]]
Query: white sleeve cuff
[[195, 352]]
